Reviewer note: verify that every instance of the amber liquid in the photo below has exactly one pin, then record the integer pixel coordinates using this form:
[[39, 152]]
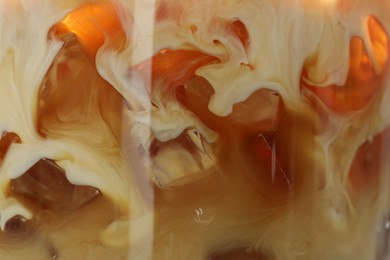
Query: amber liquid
[[258, 196]]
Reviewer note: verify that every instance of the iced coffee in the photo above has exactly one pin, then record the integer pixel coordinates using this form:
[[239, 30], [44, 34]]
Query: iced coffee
[[199, 130]]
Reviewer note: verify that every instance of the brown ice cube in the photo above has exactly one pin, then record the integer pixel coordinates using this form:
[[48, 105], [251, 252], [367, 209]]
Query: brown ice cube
[[45, 183], [190, 153], [260, 110]]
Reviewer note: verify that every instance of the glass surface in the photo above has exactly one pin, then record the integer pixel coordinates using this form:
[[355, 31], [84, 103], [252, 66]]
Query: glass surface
[[204, 130]]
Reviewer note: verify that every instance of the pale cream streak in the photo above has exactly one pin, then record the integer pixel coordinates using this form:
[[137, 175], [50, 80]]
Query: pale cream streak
[[25, 56]]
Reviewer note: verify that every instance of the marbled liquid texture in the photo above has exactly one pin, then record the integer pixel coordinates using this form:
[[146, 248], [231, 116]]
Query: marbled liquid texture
[[194, 129]]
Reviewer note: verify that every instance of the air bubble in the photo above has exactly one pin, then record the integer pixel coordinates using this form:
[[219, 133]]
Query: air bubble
[[15, 225]]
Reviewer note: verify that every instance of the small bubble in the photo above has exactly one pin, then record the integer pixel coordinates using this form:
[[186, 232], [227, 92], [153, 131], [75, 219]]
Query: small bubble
[[54, 255], [52, 251], [198, 214], [387, 224], [203, 216], [193, 28], [15, 225]]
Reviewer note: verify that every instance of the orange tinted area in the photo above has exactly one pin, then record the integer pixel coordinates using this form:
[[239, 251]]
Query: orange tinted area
[[7, 139], [93, 25], [171, 68], [240, 30], [364, 76], [369, 161], [168, 11], [379, 40], [173, 71]]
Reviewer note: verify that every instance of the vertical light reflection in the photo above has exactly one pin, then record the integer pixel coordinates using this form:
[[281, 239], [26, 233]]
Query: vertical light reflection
[[143, 224]]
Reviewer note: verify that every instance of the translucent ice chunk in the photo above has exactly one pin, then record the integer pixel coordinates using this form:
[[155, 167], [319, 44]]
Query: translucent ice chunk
[[260, 110], [74, 93], [45, 183], [180, 158]]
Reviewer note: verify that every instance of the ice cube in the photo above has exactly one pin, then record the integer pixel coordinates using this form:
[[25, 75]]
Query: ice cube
[[179, 159], [73, 92], [261, 110], [45, 183]]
